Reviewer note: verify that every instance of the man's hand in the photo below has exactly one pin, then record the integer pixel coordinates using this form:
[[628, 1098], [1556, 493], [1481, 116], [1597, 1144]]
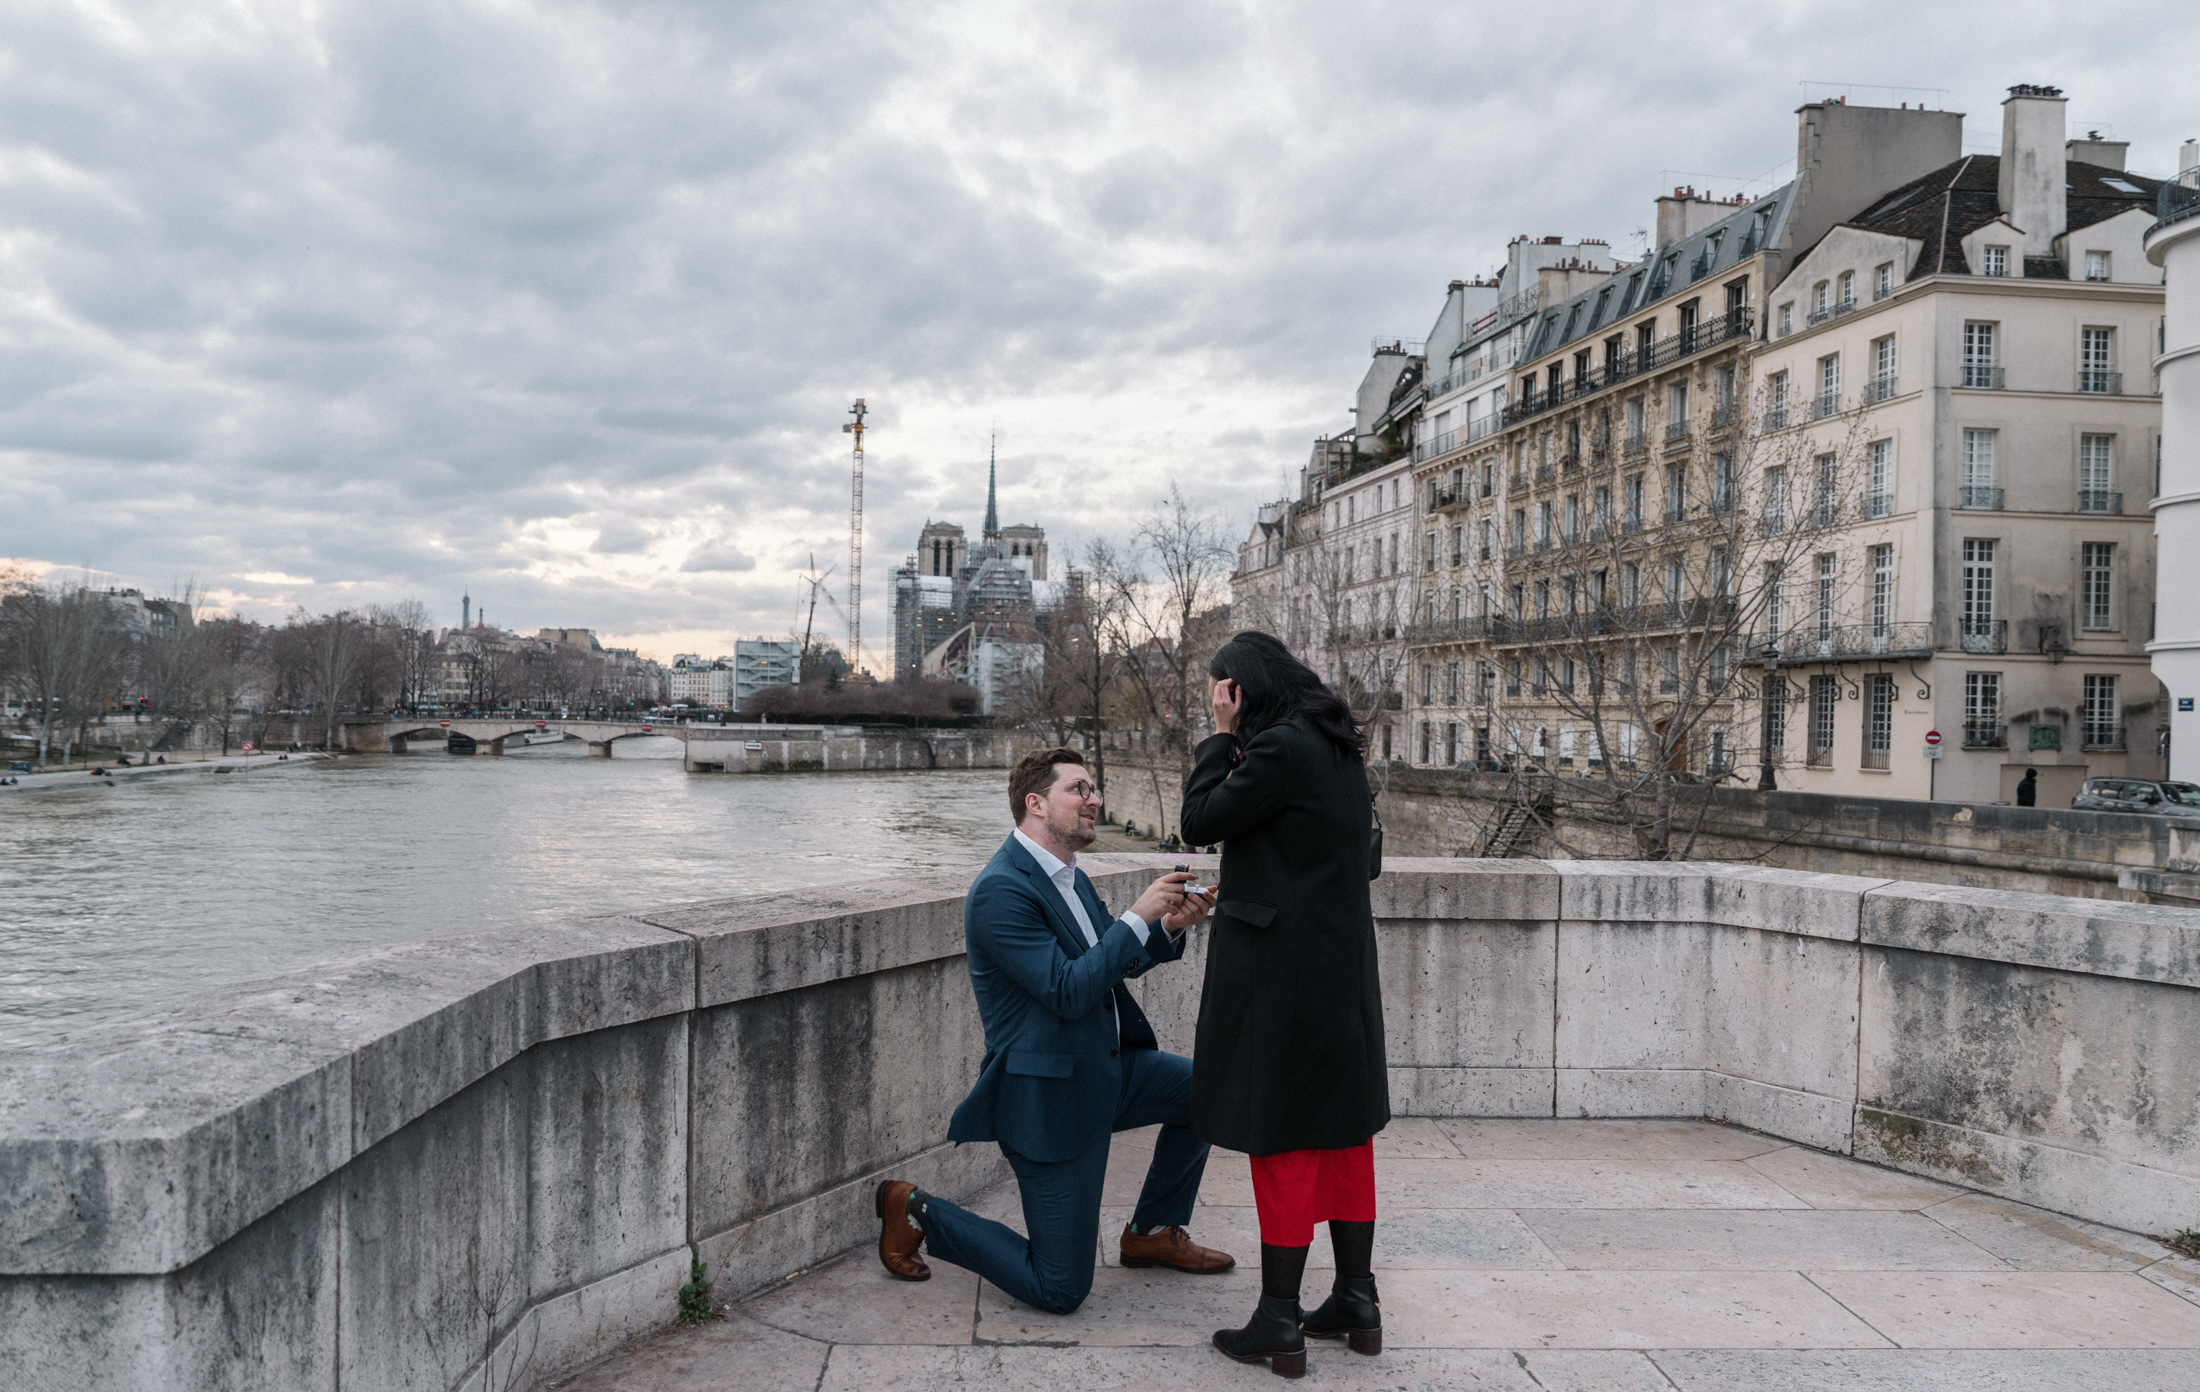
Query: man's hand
[[1195, 908], [1164, 897]]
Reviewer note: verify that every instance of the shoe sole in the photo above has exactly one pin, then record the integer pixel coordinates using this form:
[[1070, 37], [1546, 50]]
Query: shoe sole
[[1367, 1341], [1290, 1365], [1135, 1262], [878, 1206]]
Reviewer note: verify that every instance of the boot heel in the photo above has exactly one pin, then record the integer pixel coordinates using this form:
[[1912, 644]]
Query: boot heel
[[1291, 1365], [1367, 1341]]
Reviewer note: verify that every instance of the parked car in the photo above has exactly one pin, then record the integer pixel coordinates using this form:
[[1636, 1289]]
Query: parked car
[[2150, 795]]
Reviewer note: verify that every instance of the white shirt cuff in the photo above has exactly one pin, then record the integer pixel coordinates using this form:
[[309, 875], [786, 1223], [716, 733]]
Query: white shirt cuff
[[1137, 925]]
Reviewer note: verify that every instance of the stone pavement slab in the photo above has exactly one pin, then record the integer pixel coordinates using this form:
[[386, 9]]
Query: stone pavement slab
[[1526, 1256]]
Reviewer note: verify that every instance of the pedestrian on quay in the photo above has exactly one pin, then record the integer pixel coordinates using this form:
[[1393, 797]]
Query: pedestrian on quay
[[1288, 1061], [2028, 788]]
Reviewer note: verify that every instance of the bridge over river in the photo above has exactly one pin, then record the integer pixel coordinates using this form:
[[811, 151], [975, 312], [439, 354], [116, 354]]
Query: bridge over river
[[495, 735]]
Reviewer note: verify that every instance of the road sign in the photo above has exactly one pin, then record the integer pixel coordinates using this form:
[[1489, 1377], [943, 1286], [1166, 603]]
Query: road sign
[[248, 746], [1932, 739], [445, 724], [1934, 751], [645, 729], [753, 746], [542, 724]]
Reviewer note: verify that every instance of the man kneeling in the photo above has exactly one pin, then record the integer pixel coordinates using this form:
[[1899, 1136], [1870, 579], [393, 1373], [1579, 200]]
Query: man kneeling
[[1069, 1060]]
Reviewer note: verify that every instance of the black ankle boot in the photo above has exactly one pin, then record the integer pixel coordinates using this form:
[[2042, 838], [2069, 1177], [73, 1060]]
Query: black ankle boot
[[1273, 1334], [1353, 1312]]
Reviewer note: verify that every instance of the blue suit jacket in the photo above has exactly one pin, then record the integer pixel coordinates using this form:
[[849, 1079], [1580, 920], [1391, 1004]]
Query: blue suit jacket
[[1052, 1074]]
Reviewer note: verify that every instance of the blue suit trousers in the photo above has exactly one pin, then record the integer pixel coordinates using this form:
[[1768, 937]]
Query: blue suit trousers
[[1052, 1269]]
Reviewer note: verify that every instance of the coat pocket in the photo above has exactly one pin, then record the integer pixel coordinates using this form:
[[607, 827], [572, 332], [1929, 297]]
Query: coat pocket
[[1246, 911], [1042, 1065]]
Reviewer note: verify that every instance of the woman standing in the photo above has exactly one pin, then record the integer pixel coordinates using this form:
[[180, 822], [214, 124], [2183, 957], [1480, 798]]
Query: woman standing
[[1288, 1065]]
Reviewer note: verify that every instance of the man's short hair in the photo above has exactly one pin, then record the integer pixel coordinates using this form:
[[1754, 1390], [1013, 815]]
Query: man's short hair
[[1034, 773]]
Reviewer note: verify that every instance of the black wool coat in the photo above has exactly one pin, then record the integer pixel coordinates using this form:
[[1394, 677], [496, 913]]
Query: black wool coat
[[1289, 1053]]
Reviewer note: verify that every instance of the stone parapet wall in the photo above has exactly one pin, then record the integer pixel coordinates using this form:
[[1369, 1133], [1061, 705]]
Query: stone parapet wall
[[477, 1162]]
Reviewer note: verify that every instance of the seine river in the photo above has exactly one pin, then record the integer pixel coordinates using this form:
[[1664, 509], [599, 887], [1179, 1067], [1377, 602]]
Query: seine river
[[115, 899]]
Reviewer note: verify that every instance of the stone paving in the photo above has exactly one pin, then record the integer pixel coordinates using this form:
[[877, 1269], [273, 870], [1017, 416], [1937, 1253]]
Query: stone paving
[[1527, 1256]]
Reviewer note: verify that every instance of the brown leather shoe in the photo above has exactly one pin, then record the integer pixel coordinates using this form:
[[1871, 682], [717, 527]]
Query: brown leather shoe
[[898, 1238], [1171, 1247]]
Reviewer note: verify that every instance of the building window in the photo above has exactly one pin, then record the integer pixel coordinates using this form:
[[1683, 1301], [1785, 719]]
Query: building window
[[1976, 486], [1882, 590], [1829, 385], [1675, 591], [1883, 374], [1669, 670], [1829, 495], [1787, 318], [2101, 729], [1543, 524], [1818, 299], [2094, 356], [1482, 746], [1776, 402], [1978, 591], [1519, 530], [1630, 585], [1846, 298], [1542, 599], [1722, 483], [1512, 678], [1566, 674], [1428, 685], [1676, 492], [1634, 424], [1458, 544], [1428, 551], [1878, 720], [1634, 503], [2094, 454], [1676, 411], [1600, 518], [1994, 261], [1776, 706], [1828, 582], [1979, 370], [2096, 265], [1451, 683], [1982, 727], [1823, 693], [1488, 527], [1775, 602], [1573, 518], [1879, 502], [2097, 583], [1451, 741], [1883, 280]]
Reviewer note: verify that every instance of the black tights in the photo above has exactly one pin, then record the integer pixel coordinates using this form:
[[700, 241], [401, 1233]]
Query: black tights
[[1283, 1268]]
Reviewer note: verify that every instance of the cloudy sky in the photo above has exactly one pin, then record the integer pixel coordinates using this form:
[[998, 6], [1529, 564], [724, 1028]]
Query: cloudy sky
[[563, 303]]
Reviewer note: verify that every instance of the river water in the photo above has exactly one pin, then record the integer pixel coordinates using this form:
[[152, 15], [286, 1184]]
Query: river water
[[116, 899]]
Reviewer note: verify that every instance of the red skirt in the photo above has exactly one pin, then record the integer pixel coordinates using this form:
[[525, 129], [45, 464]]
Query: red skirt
[[1295, 1189]]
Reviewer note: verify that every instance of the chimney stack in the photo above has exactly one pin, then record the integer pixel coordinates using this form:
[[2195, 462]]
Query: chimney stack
[[2188, 164], [2033, 168], [2109, 154]]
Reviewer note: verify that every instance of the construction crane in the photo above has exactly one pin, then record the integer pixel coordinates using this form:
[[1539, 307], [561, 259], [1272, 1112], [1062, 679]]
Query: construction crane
[[855, 541]]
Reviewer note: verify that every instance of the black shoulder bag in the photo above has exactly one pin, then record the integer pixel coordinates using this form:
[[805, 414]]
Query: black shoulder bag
[[1375, 844]]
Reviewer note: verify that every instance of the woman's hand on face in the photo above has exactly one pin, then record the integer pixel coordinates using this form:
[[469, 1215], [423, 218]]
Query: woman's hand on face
[[1228, 701]]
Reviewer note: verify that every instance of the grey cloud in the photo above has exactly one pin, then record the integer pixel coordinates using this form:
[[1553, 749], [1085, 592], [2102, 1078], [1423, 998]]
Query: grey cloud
[[378, 292]]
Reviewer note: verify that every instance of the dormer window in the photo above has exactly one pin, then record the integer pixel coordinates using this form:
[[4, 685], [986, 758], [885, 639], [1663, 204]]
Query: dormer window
[[1847, 297], [1787, 318], [1883, 281], [2096, 265], [1818, 297], [1994, 261]]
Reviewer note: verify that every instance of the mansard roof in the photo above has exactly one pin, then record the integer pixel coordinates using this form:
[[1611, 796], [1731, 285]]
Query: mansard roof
[[1943, 207], [1722, 246]]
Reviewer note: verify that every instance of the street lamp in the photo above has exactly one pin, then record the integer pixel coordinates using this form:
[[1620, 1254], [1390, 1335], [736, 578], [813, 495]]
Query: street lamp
[[1765, 781]]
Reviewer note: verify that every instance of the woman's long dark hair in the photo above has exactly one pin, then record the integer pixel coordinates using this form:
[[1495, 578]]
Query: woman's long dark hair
[[1276, 686]]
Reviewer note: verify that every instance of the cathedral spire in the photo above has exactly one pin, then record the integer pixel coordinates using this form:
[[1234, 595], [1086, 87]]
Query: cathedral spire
[[992, 508]]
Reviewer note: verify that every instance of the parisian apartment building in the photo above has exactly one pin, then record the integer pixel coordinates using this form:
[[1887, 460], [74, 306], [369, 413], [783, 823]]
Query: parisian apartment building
[[1853, 475]]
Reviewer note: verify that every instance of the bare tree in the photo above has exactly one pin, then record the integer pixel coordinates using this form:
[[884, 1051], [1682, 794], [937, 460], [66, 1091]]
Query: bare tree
[[69, 652], [336, 649], [1624, 651], [1168, 612], [1357, 632]]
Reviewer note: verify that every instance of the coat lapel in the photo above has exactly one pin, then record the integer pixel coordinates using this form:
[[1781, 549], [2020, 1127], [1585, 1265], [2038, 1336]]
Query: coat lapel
[[1073, 942]]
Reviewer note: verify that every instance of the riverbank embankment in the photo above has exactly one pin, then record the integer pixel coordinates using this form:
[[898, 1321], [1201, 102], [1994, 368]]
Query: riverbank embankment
[[60, 780]]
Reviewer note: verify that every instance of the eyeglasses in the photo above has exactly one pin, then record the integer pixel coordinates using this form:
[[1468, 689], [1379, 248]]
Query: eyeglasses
[[1083, 792]]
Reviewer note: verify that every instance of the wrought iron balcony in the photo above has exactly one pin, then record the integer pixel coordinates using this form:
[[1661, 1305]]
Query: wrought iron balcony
[[1878, 504], [1841, 642], [2095, 500], [1776, 418], [1827, 405], [2103, 736], [1831, 312], [1676, 430], [2100, 382], [1981, 735], [1882, 389], [1976, 499], [1982, 376], [1985, 636]]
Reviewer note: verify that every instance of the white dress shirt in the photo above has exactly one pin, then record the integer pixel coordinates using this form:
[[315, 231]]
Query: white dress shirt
[[1063, 876]]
